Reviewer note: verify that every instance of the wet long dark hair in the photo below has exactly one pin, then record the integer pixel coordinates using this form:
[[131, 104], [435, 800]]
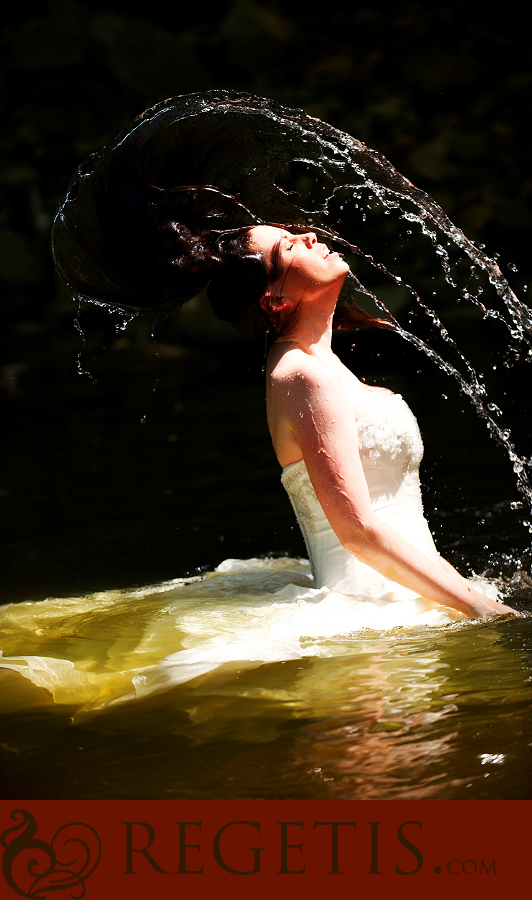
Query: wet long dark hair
[[156, 216]]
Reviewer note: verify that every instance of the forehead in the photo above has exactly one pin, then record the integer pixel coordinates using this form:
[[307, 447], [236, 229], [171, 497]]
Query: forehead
[[265, 237]]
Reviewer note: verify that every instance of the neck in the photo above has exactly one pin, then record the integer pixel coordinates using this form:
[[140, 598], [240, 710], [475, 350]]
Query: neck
[[311, 329]]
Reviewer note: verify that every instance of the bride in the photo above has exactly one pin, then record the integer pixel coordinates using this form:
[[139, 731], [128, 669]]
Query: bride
[[350, 453], [142, 226]]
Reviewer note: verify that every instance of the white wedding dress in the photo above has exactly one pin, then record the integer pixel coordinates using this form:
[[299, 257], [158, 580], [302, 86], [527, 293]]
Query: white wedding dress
[[247, 612], [391, 451]]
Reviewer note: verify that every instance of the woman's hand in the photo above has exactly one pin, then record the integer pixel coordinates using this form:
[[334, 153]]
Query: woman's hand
[[495, 606]]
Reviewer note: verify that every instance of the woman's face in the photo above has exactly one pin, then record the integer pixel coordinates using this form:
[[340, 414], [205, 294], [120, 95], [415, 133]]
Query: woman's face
[[308, 268]]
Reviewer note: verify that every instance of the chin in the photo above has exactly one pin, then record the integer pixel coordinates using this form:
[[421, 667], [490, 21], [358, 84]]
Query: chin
[[343, 266], [343, 270]]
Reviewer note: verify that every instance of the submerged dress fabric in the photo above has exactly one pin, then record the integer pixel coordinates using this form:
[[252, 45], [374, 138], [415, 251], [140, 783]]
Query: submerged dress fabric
[[128, 644]]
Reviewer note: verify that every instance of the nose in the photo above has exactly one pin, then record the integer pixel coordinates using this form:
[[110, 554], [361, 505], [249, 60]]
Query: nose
[[309, 238]]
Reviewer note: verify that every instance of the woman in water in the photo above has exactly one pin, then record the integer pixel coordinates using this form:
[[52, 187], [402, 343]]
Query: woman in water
[[314, 406], [143, 225], [181, 201]]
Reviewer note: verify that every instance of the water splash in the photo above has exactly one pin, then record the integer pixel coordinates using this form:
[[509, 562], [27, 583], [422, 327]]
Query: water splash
[[516, 317], [79, 329], [336, 158], [330, 195], [119, 328], [268, 164]]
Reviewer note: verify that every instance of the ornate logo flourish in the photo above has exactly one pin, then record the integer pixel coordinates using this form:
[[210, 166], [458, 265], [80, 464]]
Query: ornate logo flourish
[[33, 868]]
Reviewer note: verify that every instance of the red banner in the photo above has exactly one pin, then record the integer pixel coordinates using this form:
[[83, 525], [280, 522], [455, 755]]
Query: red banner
[[143, 849]]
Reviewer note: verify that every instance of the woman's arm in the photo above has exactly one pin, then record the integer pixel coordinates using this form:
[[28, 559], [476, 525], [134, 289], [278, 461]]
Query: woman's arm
[[447, 565], [316, 407]]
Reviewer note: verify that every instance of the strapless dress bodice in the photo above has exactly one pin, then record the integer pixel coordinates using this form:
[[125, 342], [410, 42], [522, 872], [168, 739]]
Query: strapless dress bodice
[[391, 450]]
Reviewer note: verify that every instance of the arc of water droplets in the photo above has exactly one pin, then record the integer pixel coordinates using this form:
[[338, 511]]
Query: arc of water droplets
[[520, 314], [519, 326], [339, 150]]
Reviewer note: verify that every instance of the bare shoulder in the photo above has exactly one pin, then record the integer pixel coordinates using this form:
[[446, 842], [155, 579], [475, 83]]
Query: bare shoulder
[[296, 369], [310, 413]]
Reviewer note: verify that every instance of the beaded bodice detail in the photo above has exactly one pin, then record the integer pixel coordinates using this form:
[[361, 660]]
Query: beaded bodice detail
[[391, 450], [390, 429]]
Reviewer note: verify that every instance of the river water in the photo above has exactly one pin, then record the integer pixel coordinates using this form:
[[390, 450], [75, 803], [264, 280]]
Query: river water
[[104, 503]]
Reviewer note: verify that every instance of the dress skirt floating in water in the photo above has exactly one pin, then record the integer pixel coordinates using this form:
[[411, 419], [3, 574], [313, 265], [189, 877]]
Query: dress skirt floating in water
[[127, 644]]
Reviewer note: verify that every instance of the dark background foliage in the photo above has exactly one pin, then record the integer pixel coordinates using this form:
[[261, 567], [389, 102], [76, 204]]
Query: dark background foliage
[[443, 90]]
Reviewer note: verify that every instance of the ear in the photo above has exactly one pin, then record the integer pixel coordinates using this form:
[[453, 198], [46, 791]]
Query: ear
[[273, 303]]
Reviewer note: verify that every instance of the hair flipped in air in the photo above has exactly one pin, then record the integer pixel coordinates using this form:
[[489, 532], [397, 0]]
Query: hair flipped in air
[[155, 216]]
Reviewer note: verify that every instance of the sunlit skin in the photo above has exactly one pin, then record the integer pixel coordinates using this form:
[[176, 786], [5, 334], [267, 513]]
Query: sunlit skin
[[311, 268], [313, 404]]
